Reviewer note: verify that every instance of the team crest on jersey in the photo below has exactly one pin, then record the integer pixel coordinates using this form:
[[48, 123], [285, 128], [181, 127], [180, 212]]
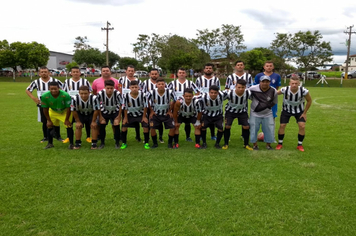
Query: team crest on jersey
[[273, 81], [63, 96], [129, 104], [70, 87], [155, 101], [269, 98], [287, 97]]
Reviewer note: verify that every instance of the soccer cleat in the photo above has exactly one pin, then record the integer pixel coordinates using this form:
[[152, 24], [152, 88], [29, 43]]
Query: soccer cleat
[[213, 138], [61, 140], [225, 147], [138, 139], [268, 147], [44, 140], [65, 140], [147, 146], [197, 145], [101, 146], [189, 139], [94, 146], [161, 140], [71, 146], [176, 146], [217, 146], [248, 147], [279, 147], [77, 146], [170, 146], [50, 145], [255, 148], [155, 146], [300, 148], [123, 146], [88, 140], [203, 146]]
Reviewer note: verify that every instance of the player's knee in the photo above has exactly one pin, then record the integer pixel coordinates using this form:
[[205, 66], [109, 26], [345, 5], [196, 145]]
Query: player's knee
[[227, 127], [246, 127]]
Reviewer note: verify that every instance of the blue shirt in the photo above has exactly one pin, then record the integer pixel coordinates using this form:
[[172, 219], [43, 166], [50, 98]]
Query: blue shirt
[[275, 79]]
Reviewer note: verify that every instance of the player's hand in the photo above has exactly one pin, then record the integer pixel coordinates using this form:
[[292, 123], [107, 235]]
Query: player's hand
[[176, 124], [37, 101], [170, 114], [49, 124], [117, 121], [303, 116], [78, 125], [144, 119], [93, 125], [67, 123], [197, 124], [125, 121], [102, 121], [152, 114]]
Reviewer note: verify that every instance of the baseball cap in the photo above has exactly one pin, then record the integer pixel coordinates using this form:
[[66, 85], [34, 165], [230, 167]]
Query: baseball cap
[[265, 77]]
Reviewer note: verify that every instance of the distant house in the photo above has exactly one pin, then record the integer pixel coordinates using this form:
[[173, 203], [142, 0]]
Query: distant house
[[59, 60], [352, 63]]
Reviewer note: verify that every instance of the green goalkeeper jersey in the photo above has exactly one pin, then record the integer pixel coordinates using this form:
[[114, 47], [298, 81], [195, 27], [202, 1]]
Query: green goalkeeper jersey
[[59, 104]]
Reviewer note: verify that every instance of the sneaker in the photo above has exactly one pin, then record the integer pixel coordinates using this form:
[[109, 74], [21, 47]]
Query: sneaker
[[279, 147], [268, 147], [94, 146], [147, 146], [61, 140], [64, 141], [248, 147], [161, 140], [88, 140], [213, 138], [176, 146], [48, 146], [189, 139], [255, 148], [138, 139], [77, 146], [44, 140], [123, 146], [117, 145], [170, 146], [217, 146], [204, 146], [101, 146], [71, 146], [300, 148], [155, 146], [225, 147], [197, 145]]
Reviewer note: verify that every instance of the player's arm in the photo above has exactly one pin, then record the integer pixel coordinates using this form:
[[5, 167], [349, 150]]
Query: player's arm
[[171, 107], [118, 117], [46, 114], [66, 121], [126, 120], [35, 99], [175, 112], [197, 122], [78, 124], [307, 106], [96, 114]]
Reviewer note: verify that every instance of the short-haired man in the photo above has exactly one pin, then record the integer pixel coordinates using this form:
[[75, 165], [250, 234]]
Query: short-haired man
[[110, 109], [240, 73], [160, 103], [294, 97], [212, 107], [42, 86], [135, 110], [203, 83], [56, 107], [263, 97], [236, 108], [187, 109], [85, 109], [99, 83], [72, 86]]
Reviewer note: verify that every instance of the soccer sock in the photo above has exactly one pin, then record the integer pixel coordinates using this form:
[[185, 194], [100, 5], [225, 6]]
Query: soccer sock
[[300, 139], [242, 131], [57, 131], [70, 135], [87, 129], [117, 134], [44, 130], [187, 129], [197, 138], [176, 138], [246, 135], [218, 138], [203, 136], [50, 137], [94, 142], [170, 139], [154, 139], [160, 130], [146, 137], [78, 142], [281, 137], [124, 136], [212, 130], [227, 134], [102, 133], [137, 129]]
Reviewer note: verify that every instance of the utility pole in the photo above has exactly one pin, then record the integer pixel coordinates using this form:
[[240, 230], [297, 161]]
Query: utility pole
[[348, 49], [107, 41]]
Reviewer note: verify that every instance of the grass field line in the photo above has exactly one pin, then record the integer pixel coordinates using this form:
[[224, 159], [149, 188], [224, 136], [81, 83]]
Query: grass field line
[[333, 106]]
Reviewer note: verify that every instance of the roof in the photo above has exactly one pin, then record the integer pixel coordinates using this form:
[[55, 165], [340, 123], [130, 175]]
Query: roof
[[61, 53], [353, 55]]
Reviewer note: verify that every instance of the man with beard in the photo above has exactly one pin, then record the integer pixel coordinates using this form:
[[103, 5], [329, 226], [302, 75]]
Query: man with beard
[[240, 73]]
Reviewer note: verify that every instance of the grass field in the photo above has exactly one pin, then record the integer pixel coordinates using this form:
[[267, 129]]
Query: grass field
[[180, 192]]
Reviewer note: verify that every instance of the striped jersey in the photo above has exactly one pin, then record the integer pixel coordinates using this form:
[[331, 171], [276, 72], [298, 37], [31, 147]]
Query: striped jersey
[[212, 107], [148, 86], [160, 104], [232, 79], [236, 103], [178, 87], [42, 86], [109, 105], [125, 84], [204, 83], [85, 107], [190, 110], [294, 102], [134, 106], [72, 87]]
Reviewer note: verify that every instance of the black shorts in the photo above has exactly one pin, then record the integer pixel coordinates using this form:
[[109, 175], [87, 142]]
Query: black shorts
[[132, 121], [110, 117], [85, 119], [285, 116], [157, 120], [241, 117], [216, 120], [186, 120]]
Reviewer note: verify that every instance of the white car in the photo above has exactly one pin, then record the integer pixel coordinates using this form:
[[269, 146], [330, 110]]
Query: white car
[[351, 74], [140, 74]]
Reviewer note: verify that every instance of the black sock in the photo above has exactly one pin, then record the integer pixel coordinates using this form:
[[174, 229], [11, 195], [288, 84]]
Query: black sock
[[300, 139], [124, 136], [218, 138], [197, 138], [187, 129], [160, 131], [102, 133], [87, 130], [212, 130], [44, 130], [154, 139], [78, 142], [57, 130], [49, 136], [203, 136], [176, 138], [70, 135], [170, 139], [146, 137], [227, 134], [246, 135], [137, 129], [94, 142], [117, 133], [281, 137]]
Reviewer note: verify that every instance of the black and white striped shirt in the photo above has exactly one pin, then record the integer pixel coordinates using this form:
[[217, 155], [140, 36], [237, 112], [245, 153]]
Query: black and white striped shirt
[[294, 102], [85, 108], [211, 107], [125, 84], [236, 103], [42, 86], [178, 87], [160, 104], [72, 87], [204, 84], [109, 105], [148, 86], [232, 79], [134, 106], [190, 110]]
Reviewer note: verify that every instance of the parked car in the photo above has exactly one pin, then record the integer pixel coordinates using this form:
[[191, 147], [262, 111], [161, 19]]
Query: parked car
[[298, 73], [140, 74], [311, 75], [83, 71], [351, 74]]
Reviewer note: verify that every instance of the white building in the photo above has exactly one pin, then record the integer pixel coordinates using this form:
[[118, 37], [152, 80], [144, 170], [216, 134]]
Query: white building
[[352, 63]]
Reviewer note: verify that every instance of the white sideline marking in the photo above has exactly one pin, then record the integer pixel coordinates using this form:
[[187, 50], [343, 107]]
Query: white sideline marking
[[330, 106]]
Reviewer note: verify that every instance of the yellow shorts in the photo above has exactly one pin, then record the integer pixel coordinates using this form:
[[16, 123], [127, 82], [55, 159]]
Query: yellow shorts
[[56, 117]]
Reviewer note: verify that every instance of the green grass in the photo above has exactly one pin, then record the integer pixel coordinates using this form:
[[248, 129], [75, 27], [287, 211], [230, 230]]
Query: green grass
[[180, 192], [335, 74]]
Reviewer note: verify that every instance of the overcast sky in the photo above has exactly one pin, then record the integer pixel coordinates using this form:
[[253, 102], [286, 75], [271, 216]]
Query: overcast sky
[[57, 23]]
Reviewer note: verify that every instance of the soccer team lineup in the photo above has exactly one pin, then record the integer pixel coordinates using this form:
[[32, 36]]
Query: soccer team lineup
[[157, 107]]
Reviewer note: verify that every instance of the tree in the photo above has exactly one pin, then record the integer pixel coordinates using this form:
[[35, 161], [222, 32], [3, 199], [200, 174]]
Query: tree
[[69, 66], [7, 57], [230, 41], [38, 55], [253, 59], [147, 48], [89, 56], [125, 61], [113, 58], [81, 43], [207, 39]]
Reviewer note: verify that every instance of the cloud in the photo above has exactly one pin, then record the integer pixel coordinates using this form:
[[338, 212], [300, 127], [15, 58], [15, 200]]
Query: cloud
[[271, 19], [110, 2]]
